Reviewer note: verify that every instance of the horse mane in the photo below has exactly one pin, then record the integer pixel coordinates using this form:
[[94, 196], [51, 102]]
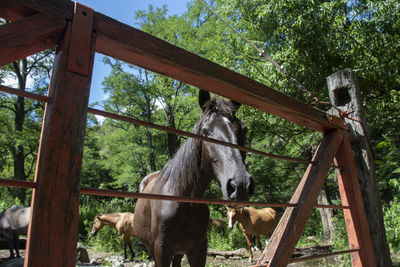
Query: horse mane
[[185, 166]]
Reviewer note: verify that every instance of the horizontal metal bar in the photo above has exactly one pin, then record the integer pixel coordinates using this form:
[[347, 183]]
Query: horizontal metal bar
[[17, 183], [192, 135], [116, 193], [18, 92]]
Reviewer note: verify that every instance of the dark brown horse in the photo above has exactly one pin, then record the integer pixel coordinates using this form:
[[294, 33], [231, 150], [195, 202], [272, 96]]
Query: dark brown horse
[[171, 229]]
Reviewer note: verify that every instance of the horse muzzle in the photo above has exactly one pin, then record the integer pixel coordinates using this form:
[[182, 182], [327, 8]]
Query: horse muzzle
[[241, 190], [93, 233]]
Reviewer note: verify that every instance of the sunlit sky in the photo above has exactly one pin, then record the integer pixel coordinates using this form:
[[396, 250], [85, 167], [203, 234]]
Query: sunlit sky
[[123, 11]]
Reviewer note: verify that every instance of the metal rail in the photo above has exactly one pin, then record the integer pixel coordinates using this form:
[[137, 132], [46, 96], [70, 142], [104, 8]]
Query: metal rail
[[123, 194]]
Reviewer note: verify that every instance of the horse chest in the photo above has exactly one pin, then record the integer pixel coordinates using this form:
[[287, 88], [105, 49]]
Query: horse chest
[[185, 223]]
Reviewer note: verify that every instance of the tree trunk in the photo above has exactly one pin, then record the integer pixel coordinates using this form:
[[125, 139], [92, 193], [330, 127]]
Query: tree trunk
[[344, 93], [18, 152], [326, 215], [152, 156], [173, 142]]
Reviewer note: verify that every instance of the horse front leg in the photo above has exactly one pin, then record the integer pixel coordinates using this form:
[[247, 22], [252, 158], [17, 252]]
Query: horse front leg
[[125, 255], [248, 240], [10, 242], [128, 242], [176, 261], [132, 252], [16, 243], [162, 255], [197, 257]]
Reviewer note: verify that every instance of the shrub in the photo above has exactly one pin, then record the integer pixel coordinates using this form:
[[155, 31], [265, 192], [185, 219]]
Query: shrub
[[392, 224]]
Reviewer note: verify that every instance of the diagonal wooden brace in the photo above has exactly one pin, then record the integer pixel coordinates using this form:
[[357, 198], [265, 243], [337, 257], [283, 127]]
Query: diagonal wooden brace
[[293, 221], [356, 220]]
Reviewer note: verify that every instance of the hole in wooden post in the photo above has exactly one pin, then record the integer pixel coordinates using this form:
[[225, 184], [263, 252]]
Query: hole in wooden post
[[342, 96], [84, 13]]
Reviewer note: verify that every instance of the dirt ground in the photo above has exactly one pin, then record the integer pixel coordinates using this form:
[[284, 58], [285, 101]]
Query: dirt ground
[[115, 260]]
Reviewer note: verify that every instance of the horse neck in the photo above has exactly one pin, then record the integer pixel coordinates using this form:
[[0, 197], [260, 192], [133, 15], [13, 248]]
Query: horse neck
[[184, 170], [242, 215], [110, 219]]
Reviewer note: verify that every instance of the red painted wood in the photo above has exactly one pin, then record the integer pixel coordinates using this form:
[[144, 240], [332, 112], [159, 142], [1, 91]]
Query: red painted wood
[[355, 218], [54, 220], [136, 47], [293, 221], [79, 60], [16, 9], [11, 11], [28, 36]]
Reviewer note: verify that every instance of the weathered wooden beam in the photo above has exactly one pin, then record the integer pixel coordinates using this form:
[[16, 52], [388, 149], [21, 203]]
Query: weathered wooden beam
[[52, 234], [293, 221], [356, 220], [29, 35], [123, 42], [12, 10]]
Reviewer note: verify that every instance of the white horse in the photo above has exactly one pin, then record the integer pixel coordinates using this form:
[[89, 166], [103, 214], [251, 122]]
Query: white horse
[[14, 221]]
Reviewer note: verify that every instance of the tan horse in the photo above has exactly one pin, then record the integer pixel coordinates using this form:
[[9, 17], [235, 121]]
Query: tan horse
[[122, 221], [253, 222]]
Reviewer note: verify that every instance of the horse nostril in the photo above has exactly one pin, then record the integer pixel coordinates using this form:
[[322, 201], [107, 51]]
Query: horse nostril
[[231, 189], [251, 187]]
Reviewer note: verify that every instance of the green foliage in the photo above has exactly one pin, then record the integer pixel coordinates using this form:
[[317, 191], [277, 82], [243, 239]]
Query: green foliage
[[387, 168], [227, 240], [392, 224]]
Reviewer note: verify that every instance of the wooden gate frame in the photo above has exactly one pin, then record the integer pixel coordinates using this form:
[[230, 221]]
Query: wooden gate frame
[[79, 32]]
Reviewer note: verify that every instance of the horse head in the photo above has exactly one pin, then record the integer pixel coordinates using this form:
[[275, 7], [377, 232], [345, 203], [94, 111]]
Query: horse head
[[225, 164], [231, 214], [97, 225]]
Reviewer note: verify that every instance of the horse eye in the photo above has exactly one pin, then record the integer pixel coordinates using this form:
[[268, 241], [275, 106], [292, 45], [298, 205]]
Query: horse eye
[[206, 132]]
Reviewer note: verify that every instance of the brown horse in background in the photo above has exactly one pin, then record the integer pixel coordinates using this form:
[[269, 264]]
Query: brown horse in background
[[253, 222], [122, 222], [171, 229], [218, 224]]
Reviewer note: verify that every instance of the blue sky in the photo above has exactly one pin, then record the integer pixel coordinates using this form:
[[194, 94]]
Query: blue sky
[[123, 11]]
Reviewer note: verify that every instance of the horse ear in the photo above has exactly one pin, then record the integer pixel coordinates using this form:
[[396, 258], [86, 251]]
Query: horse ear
[[204, 96], [235, 105]]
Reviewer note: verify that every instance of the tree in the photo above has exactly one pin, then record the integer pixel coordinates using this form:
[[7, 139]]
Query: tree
[[23, 117]]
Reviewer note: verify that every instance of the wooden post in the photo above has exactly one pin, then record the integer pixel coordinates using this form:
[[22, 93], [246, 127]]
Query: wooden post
[[52, 234], [344, 93], [293, 221]]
